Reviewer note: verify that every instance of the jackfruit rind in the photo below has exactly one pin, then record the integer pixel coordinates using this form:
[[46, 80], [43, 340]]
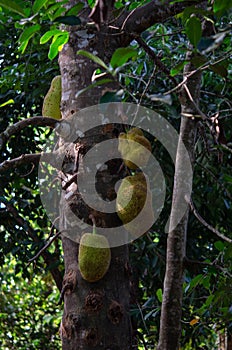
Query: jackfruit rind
[[51, 103], [94, 257], [131, 197], [137, 153]]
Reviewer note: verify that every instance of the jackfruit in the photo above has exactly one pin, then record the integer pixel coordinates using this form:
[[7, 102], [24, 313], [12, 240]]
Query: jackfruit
[[132, 196], [94, 256], [135, 154], [51, 103]]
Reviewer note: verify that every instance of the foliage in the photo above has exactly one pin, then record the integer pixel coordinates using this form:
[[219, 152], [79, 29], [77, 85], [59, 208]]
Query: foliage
[[28, 317], [25, 78]]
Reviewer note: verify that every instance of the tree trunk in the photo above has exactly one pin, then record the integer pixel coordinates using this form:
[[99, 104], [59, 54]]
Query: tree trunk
[[170, 325], [96, 315]]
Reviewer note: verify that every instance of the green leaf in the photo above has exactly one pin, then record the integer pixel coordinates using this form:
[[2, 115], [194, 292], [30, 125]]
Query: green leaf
[[12, 6], [48, 35], [92, 57], [209, 300], [221, 6], [57, 43], [219, 245], [193, 30], [27, 34], [219, 69], [122, 55], [159, 295], [198, 60], [97, 83], [75, 9], [195, 281], [69, 20], [38, 4], [7, 103], [178, 68]]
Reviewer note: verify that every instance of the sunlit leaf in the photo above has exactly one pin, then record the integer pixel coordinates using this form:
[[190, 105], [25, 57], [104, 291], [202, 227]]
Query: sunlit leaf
[[57, 42], [159, 295], [7, 103], [48, 35]]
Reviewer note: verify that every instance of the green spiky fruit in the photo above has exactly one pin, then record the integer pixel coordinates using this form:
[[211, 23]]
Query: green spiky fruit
[[135, 154], [51, 103], [94, 256], [132, 195]]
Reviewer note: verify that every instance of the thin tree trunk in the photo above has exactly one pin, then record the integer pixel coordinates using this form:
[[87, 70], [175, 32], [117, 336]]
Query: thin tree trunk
[[170, 325]]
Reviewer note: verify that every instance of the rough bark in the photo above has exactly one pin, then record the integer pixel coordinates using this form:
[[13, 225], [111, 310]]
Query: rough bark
[[96, 315]]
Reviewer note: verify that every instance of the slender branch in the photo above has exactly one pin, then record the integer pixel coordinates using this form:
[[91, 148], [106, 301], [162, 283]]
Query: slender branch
[[17, 127], [202, 68], [208, 226], [157, 61], [194, 103], [45, 247], [53, 158], [48, 257], [23, 159], [190, 262], [226, 148]]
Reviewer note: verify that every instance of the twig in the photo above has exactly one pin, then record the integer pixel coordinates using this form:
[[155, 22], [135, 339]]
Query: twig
[[226, 148], [194, 103], [45, 247], [147, 85], [152, 54], [208, 226], [53, 227], [199, 69], [53, 158], [17, 127], [21, 160], [47, 256], [190, 262]]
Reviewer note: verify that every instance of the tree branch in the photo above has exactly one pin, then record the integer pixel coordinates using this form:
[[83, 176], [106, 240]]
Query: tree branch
[[208, 226], [157, 61], [155, 11], [45, 247], [23, 159], [49, 259], [17, 127]]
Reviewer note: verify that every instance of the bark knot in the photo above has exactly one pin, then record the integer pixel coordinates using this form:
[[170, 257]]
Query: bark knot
[[94, 301], [91, 337], [115, 312]]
